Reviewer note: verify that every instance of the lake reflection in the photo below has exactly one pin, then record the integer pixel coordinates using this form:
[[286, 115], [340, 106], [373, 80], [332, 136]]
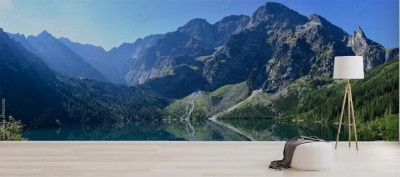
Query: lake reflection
[[273, 130], [119, 131], [176, 130]]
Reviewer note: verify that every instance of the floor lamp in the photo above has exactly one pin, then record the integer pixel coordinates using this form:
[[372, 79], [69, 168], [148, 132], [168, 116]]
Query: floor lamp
[[348, 67]]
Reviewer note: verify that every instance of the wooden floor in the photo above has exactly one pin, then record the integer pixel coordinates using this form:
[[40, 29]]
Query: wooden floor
[[189, 159]]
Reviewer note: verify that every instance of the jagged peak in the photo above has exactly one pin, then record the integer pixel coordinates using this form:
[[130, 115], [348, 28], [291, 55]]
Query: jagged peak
[[321, 20], [359, 33], [16, 36], [64, 38], [126, 44], [20, 34], [276, 12], [137, 40], [272, 8], [360, 43], [274, 5], [2, 33], [195, 25], [197, 21], [44, 33], [240, 21], [317, 18], [233, 18]]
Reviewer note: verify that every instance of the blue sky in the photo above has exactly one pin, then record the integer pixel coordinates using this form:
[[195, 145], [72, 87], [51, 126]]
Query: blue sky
[[108, 23]]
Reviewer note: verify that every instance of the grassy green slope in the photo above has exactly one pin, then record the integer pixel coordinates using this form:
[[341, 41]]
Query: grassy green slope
[[209, 103], [255, 107]]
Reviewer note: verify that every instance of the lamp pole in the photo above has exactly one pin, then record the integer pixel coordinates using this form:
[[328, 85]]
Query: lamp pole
[[3, 115]]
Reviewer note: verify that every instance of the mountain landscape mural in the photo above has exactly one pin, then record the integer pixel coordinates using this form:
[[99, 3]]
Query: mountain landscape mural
[[267, 76]]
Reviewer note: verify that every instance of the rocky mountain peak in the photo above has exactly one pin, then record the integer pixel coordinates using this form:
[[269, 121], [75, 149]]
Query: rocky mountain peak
[[317, 18], [44, 34], [374, 53], [19, 35], [359, 33], [272, 7], [3, 34], [268, 10], [358, 39], [335, 30], [199, 29], [197, 23], [229, 25], [231, 18], [320, 29], [275, 12]]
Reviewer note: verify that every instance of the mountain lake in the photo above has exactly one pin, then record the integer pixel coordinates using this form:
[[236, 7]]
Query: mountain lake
[[194, 130]]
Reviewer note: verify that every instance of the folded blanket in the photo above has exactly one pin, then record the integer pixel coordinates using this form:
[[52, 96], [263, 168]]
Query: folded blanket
[[288, 151]]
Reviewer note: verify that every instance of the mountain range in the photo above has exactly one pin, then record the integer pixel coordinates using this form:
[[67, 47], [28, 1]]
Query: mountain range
[[269, 51], [41, 97], [58, 56]]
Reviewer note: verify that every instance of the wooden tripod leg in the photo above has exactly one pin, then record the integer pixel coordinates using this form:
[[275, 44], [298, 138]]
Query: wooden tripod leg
[[348, 113], [354, 119], [341, 117]]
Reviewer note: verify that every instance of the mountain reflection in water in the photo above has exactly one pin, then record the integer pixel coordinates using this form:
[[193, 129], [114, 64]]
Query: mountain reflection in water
[[176, 130]]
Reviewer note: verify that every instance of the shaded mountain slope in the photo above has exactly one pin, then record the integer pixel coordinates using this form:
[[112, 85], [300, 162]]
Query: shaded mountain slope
[[41, 98], [58, 56]]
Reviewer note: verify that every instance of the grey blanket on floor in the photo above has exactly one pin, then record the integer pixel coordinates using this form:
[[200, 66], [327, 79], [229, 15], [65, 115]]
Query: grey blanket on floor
[[290, 147]]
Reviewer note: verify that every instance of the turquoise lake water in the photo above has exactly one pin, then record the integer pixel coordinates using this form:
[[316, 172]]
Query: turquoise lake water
[[175, 130]]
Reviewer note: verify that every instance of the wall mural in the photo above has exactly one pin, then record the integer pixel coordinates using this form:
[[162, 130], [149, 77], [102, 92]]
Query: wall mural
[[261, 76]]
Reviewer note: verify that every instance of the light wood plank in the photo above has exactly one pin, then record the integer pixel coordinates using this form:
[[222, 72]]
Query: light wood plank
[[194, 159]]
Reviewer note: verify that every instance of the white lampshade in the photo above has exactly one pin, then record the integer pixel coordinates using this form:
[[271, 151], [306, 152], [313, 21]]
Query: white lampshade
[[348, 67]]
